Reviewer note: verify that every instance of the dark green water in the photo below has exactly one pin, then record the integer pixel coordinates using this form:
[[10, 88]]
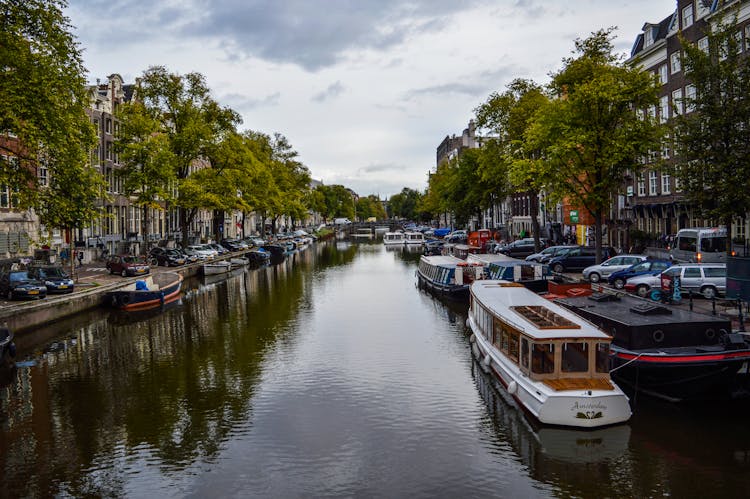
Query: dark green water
[[331, 375]]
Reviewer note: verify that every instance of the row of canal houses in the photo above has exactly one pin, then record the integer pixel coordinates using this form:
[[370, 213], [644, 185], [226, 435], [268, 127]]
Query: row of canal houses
[[651, 201], [120, 228]]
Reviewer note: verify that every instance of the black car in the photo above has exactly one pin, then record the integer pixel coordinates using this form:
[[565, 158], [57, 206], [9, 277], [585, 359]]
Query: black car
[[521, 248], [232, 244], [579, 258], [167, 257], [54, 278], [18, 284]]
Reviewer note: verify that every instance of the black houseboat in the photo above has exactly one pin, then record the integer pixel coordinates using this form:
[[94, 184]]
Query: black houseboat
[[666, 351]]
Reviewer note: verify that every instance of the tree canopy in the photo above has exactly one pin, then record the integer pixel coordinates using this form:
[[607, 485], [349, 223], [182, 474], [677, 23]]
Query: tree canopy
[[43, 102], [591, 135]]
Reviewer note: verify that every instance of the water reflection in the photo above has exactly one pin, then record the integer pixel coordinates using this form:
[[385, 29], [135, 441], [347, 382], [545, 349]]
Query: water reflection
[[329, 373]]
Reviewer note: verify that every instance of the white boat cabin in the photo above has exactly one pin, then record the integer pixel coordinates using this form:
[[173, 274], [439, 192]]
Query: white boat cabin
[[548, 343], [393, 238]]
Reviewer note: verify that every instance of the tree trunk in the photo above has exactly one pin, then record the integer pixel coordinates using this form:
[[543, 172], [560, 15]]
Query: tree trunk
[[598, 235], [186, 217], [728, 224], [534, 212], [146, 226]]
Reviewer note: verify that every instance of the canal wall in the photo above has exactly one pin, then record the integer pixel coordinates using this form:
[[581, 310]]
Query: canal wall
[[24, 316]]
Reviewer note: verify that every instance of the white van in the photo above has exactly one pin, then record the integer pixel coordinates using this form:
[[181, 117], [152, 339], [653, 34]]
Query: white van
[[341, 221], [700, 245]]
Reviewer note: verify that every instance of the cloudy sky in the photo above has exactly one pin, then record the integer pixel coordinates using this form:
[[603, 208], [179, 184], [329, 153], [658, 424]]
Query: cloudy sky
[[365, 90]]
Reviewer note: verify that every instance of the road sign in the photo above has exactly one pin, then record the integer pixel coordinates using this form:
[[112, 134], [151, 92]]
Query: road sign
[[574, 216]]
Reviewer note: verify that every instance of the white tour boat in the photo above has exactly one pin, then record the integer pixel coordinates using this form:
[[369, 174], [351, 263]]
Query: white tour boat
[[393, 238], [553, 363], [413, 238], [215, 268]]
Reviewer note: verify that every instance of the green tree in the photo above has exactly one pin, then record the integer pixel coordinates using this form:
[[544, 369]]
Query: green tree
[[369, 206], [147, 163], [193, 124], [404, 204], [712, 140], [591, 135], [508, 161], [43, 101]]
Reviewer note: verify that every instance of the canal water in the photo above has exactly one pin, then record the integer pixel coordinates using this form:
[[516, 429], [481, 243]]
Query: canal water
[[330, 374]]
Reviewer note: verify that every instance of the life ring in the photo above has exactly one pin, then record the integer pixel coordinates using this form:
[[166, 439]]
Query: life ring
[[462, 264], [124, 299], [575, 291], [512, 387], [710, 334], [658, 336]]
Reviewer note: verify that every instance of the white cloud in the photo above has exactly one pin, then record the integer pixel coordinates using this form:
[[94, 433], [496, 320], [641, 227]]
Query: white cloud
[[365, 91]]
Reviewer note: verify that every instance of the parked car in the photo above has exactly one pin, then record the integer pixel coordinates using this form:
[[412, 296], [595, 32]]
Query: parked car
[[189, 258], [643, 284], [547, 253], [54, 277], [204, 251], [232, 244], [708, 279], [578, 258], [457, 236], [18, 284], [595, 273], [167, 257], [521, 248], [618, 279], [127, 265], [221, 250]]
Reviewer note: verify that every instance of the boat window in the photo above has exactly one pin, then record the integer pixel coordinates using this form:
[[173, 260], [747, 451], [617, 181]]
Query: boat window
[[513, 346], [575, 358], [525, 353], [543, 358], [497, 329], [505, 340], [602, 357], [527, 272]]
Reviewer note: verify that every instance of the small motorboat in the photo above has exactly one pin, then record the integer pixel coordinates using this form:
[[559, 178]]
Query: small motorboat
[[239, 261], [154, 291], [215, 268]]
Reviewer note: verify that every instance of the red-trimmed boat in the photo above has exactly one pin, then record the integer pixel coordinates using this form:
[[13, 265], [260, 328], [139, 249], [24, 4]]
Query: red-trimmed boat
[[156, 290], [666, 351]]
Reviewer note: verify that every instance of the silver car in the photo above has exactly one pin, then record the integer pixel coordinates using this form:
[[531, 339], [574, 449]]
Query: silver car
[[595, 273], [708, 279]]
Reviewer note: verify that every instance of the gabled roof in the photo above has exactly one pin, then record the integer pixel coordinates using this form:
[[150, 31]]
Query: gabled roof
[[659, 32]]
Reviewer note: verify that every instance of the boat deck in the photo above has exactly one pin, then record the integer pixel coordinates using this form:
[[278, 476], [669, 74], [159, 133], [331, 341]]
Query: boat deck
[[579, 384]]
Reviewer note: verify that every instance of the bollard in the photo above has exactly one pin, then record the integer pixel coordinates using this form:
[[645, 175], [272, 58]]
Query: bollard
[[713, 306], [690, 298]]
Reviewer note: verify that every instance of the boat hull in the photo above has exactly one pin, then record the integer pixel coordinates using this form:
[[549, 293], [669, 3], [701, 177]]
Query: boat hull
[[455, 291], [682, 376], [570, 408], [216, 268], [144, 300]]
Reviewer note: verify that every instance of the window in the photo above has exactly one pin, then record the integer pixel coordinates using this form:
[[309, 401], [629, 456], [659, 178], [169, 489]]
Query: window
[[692, 272], [703, 44], [8, 197], [652, 184], [108, 123], [109, 151], [543, 358], [663, 108], [715, 271], [687, 243], [648, 37], [677, 101], [702, 10], [663, 74], [96, 126], [690, 96], [43, 180], [602, 357], [687, 16], [525, 353], [665, 183], [575, 358], [675, 62], [641, 185], [666, 148], [747, 37]]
